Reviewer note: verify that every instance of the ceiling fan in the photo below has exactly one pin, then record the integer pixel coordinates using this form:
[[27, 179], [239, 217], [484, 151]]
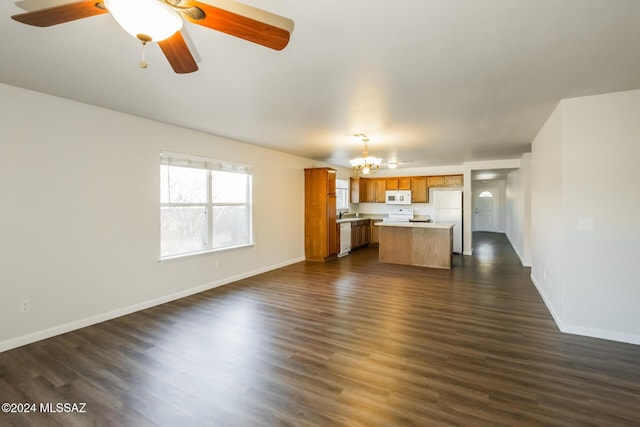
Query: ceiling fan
[[140, 17]]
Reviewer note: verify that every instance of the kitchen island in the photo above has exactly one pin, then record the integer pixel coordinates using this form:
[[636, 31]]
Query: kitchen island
[[416, 243]]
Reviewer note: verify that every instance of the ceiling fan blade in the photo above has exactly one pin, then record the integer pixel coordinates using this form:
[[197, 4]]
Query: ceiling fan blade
[[178, 54], [245, 22], [190, 44], [60, 14]]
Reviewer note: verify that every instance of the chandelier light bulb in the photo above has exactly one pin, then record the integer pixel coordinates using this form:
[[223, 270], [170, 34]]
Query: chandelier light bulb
[[366, 164]]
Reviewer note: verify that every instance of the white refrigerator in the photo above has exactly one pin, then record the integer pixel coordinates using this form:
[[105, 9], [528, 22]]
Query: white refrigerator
[[448, 209]]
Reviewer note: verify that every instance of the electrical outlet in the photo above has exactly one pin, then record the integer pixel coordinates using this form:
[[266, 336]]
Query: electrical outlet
[[25, 306], [544, 274], [215, 264]]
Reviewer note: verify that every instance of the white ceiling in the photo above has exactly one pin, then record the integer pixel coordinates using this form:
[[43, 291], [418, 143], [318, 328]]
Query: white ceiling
[[435, 82]]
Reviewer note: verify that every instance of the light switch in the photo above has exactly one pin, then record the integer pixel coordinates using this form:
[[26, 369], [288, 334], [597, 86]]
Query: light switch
[[586, 224]]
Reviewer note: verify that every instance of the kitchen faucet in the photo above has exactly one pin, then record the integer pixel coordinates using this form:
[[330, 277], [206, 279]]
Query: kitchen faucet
[[340, 214]]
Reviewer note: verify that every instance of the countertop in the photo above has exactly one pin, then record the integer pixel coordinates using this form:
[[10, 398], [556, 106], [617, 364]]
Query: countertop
[[351, 218], [340, 221], [415, 224]]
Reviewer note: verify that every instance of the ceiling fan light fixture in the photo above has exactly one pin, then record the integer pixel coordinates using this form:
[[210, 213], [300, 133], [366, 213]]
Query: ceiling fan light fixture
[[146, 20]]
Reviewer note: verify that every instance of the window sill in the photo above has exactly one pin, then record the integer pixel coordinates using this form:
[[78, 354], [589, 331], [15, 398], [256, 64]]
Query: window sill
[[175, 258]]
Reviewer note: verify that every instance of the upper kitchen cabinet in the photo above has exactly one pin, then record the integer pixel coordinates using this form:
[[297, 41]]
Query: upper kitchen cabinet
[[404, 183], [354, 186], [320, 239], [399, 183], [381, 190], [392, 183], [419, 189], [435, 181], [367, 190], [445, 181], [454, 181], [372, 190]]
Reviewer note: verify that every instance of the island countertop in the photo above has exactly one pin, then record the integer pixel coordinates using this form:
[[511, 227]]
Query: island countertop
[[416, 243]]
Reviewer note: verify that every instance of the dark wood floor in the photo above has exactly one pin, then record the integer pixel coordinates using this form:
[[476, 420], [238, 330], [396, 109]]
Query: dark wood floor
[[350, 342]]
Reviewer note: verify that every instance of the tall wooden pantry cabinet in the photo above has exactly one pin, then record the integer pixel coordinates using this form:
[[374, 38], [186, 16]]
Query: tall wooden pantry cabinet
[[320, 237]]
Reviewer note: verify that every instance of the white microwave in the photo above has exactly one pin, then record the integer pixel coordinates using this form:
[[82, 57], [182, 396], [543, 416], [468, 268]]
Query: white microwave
[[398, 197]]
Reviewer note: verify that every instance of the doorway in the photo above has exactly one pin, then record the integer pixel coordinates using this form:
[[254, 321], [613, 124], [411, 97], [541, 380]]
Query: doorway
[[485, 211]]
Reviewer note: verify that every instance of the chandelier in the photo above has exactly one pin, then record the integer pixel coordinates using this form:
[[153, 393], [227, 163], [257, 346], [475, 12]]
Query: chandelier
[[366, 164]]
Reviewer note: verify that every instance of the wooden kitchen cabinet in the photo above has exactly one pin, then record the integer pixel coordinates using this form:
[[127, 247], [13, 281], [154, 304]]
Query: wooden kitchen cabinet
[[354, 187], [320, 236], [372, 190], [380, 186], [399, 183], [356, 235], [445, 181], [454, 180], [419, 190], [365, 190], [404, 183], [368, 189], [360, 233], [435, 181], [374, 234]]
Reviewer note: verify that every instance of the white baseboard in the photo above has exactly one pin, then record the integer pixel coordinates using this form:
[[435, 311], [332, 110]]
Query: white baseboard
[[556, 317], [601, 333], [515, 249], [582, 330], [81, 323]]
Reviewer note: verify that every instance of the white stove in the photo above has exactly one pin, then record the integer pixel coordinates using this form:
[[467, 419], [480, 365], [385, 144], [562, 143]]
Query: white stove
[[399, 215]]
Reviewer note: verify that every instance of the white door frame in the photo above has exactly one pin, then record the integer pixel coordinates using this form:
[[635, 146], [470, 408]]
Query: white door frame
[[496, 208]]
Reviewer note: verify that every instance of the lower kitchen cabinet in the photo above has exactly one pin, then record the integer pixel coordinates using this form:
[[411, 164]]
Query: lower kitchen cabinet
[[375, 232], [360, 233]]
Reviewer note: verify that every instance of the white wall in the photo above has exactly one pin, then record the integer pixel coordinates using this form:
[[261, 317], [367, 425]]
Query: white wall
[[583, 167], [601, 136], [80, 214], [547, 243], [518, 209]]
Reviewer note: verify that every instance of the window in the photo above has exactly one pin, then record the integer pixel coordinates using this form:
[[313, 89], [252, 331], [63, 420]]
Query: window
[[485, 194], [342, 194], [205, 205]]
